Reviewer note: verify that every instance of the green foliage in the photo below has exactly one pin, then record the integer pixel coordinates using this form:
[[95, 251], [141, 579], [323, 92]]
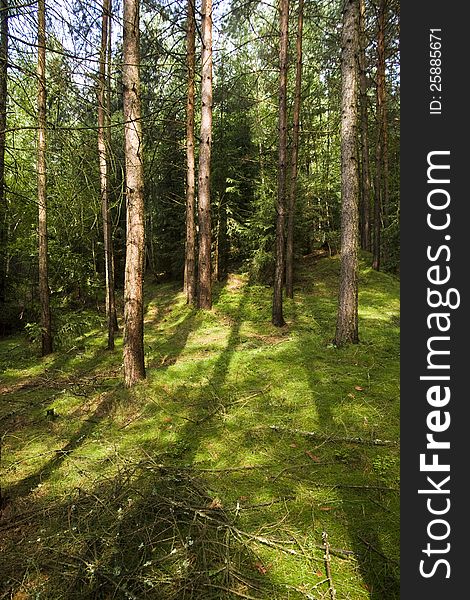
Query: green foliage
[[391, 244]]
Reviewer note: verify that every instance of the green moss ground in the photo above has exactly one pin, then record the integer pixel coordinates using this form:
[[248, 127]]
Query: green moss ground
[[179, 488]]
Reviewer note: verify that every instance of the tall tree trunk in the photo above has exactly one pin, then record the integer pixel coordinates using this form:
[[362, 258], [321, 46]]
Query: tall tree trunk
[[277, 316], [3, 126], [190, 255], [377, 206], [108, 142], [103, 148], [46, 336], [134, 367], [347, 319], [382, 178], [365, 196], [381, 207], [294, 158], [221, 242], [204, 263]]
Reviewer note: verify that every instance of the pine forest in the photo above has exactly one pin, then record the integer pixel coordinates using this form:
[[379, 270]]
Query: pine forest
[[199, 299]]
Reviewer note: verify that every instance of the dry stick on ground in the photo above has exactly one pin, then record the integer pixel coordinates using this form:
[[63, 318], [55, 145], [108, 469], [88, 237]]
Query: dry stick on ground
[[332, 486], [327, 438], [261, 539], [326, 547]]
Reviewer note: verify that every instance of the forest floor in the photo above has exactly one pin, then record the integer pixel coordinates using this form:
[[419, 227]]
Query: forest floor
[[201, 482]]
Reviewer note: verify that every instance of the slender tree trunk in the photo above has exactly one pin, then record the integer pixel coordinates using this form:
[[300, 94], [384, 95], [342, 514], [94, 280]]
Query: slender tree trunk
[[103, 147], [3, 126], [204, 263], [222, 241], [381, 174], [277, 316], [347, 320], [190, 256], [382, 209], [365, 197], [382, 106], [42, 196], [377, 210], [109, 145], [134, 367], [294, 158]]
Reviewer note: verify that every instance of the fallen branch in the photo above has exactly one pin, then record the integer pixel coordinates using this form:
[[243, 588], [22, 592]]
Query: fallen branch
[[381, 488], [232, 528], [326, 547], [231, 591], [328, 438]]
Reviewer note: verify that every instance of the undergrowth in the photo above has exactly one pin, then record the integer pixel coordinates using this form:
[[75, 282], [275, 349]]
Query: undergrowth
[[202, 482]]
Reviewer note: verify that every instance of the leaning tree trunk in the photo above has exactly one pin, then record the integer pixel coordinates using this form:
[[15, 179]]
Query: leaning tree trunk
[[46, 336], [347, 319], [294, 158], [277, 316], [190, 253], [103, 148], [3, 126], [365, 196], [204, 263], [134, 367]]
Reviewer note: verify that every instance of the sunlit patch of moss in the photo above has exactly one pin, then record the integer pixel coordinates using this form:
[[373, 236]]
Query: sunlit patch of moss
[[216, 381]]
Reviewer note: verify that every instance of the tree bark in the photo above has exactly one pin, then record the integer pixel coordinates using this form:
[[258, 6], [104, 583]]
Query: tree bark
[[222, 241], [204, 263], [44, 295], [277, 314], [381, 207], [347, 319], [134, 367], [103, 148], [365, 196], [3, 126], [108, 142], [294, 158], [190, 254]]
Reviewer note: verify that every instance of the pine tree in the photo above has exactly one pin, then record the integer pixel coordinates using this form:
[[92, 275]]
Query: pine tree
[[44, 295], [277, 314], [134, 367], [294, 157], [204, 263], [103, 149], [190, 252], [347, 319], [3, 126]]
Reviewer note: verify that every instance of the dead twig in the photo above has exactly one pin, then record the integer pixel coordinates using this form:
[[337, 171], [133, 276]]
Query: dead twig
[[326, 547], [329, 438]]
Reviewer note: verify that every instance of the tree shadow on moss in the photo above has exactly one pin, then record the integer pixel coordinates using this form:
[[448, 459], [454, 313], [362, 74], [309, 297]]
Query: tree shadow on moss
[[371, 513], [147, 533], [24, 486]]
